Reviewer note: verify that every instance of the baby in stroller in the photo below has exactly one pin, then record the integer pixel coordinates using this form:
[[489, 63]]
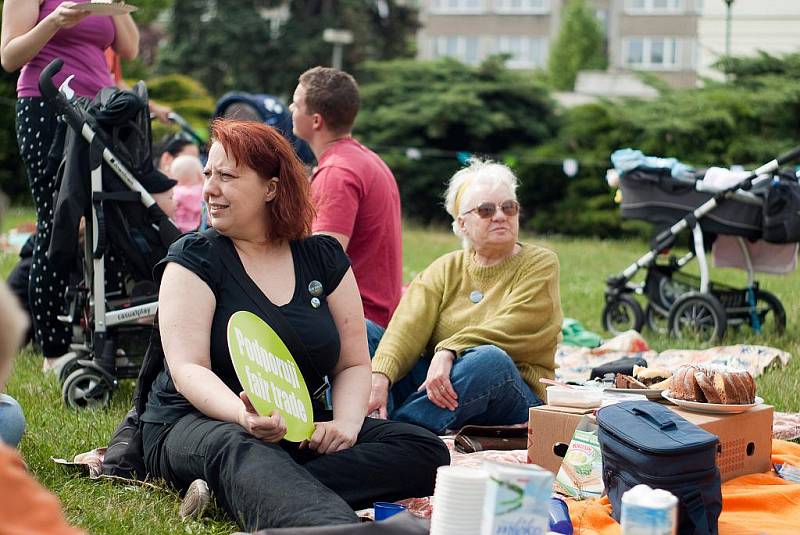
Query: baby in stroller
[[759, 207], [105, 180], [188, 194]]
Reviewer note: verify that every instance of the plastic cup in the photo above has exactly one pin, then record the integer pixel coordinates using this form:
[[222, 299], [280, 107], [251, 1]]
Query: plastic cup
[[384, 510]]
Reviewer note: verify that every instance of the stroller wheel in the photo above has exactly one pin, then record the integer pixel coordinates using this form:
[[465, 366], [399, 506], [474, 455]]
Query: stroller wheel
[[70, 366], [623, 314], [655, 320], [697, 316], [770, 311], [86, 388]]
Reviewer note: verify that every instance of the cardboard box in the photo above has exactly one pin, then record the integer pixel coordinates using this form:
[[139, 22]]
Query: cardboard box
[[550, 429], [745, 439]]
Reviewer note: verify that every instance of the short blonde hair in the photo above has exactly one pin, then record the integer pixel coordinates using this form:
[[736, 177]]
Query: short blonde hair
[[476, 172]]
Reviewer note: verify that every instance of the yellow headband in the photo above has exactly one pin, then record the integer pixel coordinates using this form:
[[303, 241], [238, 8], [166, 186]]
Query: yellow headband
[[459, 194]]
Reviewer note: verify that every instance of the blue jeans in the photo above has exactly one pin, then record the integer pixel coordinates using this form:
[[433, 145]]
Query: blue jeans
[[12, 421], [490, 392], [374, 335]]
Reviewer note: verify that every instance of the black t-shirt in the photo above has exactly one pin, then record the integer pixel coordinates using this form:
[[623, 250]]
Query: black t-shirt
[[317, 258]]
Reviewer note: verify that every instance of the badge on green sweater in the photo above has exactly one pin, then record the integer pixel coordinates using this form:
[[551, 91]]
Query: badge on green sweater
[[269, 374]]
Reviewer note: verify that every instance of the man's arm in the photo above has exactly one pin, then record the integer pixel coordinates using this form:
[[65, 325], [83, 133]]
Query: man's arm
[[336, 194]]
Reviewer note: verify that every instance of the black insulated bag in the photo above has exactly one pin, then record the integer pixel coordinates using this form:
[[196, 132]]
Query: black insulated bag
[[643, 442]]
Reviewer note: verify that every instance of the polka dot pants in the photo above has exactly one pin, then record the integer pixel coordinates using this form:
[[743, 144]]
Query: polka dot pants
[[36, 126]]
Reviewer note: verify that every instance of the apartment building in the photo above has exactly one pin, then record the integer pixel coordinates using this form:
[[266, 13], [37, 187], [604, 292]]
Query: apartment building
[[652, 35], [768, 25]]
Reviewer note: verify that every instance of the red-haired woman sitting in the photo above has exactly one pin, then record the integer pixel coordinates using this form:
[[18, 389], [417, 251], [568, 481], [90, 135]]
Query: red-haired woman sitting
[[199, 424]]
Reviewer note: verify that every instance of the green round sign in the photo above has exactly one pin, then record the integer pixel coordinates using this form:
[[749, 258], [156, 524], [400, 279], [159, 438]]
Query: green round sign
[[269, 374]]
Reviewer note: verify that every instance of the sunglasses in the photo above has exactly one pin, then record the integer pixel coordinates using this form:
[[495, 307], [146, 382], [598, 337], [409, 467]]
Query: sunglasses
[[485, 210]]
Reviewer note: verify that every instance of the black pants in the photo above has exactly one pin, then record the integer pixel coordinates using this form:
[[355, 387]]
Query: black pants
[[36, 126], [277, 485]]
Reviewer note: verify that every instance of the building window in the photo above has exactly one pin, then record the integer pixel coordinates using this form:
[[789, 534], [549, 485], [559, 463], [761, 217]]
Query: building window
[[652, 53], [463, 48], [457, 7], [525, 52], [523, 7], [654, 7]]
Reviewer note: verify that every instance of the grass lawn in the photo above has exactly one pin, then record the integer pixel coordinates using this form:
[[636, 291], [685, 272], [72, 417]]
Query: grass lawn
[[118, 509]]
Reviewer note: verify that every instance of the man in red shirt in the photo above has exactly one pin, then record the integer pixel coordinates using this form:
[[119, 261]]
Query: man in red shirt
[[353, 190]]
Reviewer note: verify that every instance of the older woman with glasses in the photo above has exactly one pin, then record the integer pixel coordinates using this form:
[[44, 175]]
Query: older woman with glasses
[[485, 319]]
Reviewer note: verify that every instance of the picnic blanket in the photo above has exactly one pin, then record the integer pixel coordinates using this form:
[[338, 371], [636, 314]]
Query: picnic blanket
[[752, 504], [786, 425], [576, 363]]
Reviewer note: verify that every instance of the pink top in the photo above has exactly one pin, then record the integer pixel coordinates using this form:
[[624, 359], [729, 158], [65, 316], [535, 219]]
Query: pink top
[[188, 206], [81, 47], [355, 194]]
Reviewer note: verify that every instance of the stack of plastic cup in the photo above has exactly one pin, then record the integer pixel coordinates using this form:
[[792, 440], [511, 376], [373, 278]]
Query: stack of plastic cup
[[458, 501]]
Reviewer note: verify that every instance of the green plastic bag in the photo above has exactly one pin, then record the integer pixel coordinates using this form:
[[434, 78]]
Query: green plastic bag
[[576, 335]]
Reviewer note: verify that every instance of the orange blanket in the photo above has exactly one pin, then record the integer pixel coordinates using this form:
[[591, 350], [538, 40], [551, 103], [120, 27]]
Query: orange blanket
[[752, 504]]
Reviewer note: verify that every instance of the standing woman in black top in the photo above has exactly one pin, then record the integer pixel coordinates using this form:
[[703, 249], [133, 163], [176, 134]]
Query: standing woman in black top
[[199, 423]]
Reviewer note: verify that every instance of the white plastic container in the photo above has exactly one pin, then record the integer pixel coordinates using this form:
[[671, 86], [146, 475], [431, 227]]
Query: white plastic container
[[580, 397], [647, 511], [517, 499]]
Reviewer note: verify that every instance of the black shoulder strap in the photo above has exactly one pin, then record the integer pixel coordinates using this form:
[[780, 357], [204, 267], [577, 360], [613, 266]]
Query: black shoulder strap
[[318, 383]]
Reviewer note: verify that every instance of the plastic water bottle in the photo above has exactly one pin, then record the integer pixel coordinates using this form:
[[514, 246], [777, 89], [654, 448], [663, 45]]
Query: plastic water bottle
[[559, 517]]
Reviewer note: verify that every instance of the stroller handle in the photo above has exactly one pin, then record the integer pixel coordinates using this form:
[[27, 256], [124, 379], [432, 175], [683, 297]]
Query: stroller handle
[[46, 85], [55, 97], [185, 126], [789, 156]]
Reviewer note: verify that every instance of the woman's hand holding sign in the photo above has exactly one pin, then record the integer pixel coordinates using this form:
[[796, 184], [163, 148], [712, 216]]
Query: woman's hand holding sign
[[270, 428], [333, 436]]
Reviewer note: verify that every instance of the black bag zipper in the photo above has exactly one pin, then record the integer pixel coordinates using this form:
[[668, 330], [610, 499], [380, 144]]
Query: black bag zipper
[[701, 474]]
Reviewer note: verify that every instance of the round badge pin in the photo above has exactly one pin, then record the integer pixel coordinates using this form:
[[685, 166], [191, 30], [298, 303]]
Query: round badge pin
[[315, 302], [475, 296], [315, 288]]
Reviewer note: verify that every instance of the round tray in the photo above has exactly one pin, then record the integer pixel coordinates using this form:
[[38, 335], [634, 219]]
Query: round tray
[[711, 408], [98, 8]]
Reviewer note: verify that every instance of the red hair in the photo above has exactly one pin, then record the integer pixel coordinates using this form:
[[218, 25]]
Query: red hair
[[264, 150]]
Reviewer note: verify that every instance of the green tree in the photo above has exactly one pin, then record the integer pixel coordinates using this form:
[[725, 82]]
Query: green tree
[[580, 45], [442, 110], [148, 10], [236, 48], [222, 45]]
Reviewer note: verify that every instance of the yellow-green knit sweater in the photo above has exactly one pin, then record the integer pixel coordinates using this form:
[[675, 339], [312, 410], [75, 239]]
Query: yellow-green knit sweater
[[520, 312]]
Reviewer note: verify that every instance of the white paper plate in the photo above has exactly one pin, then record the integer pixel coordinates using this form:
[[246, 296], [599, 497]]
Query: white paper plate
[[98, 8], [653, 394], [711, 408]]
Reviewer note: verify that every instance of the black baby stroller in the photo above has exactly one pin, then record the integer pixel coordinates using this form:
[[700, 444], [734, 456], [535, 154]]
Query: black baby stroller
[[105, 177], [761, 206]]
